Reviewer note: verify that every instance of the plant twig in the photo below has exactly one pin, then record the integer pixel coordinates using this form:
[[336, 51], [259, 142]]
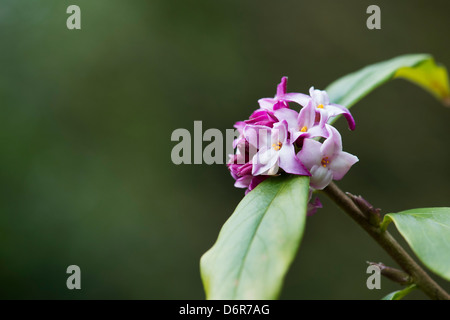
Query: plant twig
[[393, 274], [389, 244]]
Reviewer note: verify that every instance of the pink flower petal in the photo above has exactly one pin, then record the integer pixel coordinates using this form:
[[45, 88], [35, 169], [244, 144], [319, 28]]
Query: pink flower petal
[[264, 160], [288, 115], [310, 154], [333, 144], [289, 161], [300, 98], [267, 103], [258, 136], [341, 164]]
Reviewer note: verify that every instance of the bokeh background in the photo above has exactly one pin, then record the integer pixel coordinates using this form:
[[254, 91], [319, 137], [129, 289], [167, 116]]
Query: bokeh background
[[86, 119]]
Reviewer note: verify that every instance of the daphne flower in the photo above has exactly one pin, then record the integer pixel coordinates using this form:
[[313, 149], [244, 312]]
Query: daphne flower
[[326, 161], [268, 141], [274, 150], [303, 124], [282, 98], [327, 110]]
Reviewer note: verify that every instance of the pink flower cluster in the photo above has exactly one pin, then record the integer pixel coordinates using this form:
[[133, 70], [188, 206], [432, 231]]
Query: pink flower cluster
[[277, 139]]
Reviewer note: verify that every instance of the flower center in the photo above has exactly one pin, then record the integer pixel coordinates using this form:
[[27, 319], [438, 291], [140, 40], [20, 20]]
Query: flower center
[[325, 162], [304, 129], [320, 106], [277, 146]]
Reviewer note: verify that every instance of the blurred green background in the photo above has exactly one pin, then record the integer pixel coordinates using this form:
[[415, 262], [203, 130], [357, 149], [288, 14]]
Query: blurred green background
[[86, 120]]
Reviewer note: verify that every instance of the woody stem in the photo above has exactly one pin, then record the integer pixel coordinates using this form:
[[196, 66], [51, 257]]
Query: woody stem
[[388, 243]]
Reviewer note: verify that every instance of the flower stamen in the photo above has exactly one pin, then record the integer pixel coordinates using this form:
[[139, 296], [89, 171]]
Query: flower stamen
[[325, 162], [320, 106], [277, 146], [304, 129]]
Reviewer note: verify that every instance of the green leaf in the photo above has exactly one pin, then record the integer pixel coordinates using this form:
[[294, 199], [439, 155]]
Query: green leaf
[[398, 295], [258, 242], [417, 68], [427, 232], [429, 76]]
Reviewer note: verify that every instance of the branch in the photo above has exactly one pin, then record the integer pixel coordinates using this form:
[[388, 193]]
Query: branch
[[388, 243]]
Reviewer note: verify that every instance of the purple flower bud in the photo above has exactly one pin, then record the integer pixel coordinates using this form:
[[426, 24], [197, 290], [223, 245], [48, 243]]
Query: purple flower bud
[[282, 98], [313, 205]]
